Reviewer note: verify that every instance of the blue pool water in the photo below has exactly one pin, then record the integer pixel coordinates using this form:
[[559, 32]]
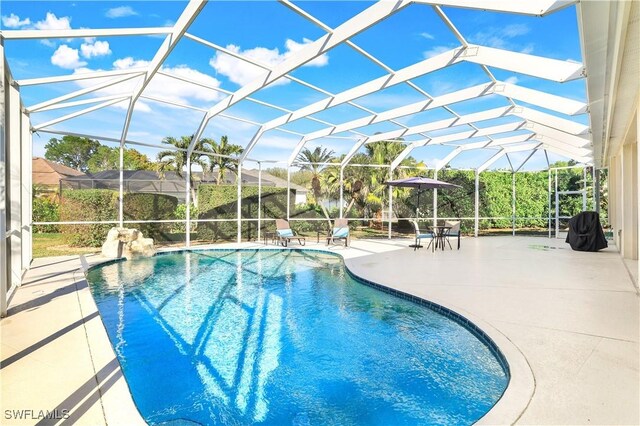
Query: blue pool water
[[286, 337]]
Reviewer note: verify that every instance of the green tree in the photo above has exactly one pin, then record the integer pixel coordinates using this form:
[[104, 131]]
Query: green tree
[[72, 151], [222, 161], [176, 160], [384, 153], [314, 161], [107, 158]]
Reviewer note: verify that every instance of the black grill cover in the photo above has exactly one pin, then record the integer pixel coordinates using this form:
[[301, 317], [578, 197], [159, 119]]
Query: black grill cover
[[585, 232]]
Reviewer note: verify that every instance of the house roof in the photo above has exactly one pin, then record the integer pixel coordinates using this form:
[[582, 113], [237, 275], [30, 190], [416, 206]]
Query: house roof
[[46, 172], [249, 177]]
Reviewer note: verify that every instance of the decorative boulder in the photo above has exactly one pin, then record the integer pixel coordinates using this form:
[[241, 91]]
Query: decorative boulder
[[129, 243]]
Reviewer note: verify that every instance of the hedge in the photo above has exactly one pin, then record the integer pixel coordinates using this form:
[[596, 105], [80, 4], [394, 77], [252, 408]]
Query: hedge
[[102, 205], [138, 206], [45, 209], [88, 205], [220, 202]]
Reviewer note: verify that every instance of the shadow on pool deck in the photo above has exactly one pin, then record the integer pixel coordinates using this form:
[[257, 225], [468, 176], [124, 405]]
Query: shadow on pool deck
[[573, 315]]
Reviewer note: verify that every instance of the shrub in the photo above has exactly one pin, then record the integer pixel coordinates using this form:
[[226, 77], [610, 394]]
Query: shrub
[[46, 210], [102, 205], [88, 205], [181, 214], [220, 202], [143, 206]]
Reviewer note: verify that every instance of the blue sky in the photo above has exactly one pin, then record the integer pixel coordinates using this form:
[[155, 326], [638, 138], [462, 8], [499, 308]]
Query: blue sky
[[269, 32]]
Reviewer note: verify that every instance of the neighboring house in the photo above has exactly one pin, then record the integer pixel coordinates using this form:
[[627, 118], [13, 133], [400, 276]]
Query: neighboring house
[[47, 174], [140, 181], [170, 183]]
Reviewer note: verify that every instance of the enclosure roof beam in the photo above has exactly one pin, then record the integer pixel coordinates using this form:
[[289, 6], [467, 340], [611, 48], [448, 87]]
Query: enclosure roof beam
[[558, 135], [77, 93], [78, 76], [447, 159], [495, 157], [529, 7], [525, 161], [552, 69], [82, 102], [535, 97], [82, 33], [188, 15], [78, 113], [365, 19]]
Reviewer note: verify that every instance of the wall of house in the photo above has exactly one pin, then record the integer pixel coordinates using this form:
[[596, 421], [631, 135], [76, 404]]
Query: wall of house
[[624, 186]]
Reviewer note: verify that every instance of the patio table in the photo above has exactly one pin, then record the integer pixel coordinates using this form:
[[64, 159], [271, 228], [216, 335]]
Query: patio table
[[441, 232]]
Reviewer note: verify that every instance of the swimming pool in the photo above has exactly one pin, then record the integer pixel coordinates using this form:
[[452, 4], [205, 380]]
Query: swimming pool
[[286, 337]]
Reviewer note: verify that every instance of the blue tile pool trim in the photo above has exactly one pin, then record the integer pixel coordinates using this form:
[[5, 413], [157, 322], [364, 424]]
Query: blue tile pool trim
[[439, 309]]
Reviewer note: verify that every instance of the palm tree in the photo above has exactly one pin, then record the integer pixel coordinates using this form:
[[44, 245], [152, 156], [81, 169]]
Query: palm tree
[[356, 182], [315, 161], [176, 160], [384, 152], [222, 161]]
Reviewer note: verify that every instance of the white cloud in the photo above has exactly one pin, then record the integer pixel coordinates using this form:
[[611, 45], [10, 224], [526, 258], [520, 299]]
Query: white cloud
[[241, 72], [160, 86], [52, 22], [120, 12], [529, 49], [14, 21], [95, 48], [426, 35], [67, 57], [512, 80], [515, 30], [435, 51], [500, 37]]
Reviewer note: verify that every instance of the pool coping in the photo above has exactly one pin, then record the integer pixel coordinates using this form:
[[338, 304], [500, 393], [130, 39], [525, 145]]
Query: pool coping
[[507, 410]]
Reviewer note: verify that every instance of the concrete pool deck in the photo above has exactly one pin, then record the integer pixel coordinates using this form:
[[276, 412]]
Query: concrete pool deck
[[568, 323]]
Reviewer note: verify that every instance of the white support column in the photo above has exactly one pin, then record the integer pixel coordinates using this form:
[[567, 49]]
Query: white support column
[[14, 143], [513, 204], [390, 201], [288, 191], [584, 189], [435, 201], [557, 205], [187, 185], [239, 211], [26, 192], [630, 200], [260, 198], [477, 204], [3, 179], [341, 191], [549, 200], [121, 187]]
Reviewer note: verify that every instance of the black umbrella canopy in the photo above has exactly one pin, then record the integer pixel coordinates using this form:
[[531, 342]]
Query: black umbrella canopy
[[420, 182]]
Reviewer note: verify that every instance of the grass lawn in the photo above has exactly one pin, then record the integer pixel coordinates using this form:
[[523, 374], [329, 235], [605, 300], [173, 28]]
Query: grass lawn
[[56, 245]]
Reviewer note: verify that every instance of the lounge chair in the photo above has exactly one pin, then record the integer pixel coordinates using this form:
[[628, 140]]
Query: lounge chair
[[422, 235], [453, 232], [340, 231], [285, 234]]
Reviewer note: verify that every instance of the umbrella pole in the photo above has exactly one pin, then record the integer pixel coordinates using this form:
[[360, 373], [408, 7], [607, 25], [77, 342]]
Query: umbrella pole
[[417, 246]]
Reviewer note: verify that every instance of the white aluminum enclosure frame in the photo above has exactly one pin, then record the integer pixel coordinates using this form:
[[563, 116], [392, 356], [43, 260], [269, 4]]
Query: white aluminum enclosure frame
[[540, 131]]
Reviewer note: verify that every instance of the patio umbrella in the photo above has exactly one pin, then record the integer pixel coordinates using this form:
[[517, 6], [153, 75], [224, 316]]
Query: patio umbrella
[[421, 183]]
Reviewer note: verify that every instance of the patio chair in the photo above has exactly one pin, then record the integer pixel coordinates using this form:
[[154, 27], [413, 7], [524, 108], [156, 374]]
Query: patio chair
[[285, 234], [422, 235], [453, 232], [340, 231]]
